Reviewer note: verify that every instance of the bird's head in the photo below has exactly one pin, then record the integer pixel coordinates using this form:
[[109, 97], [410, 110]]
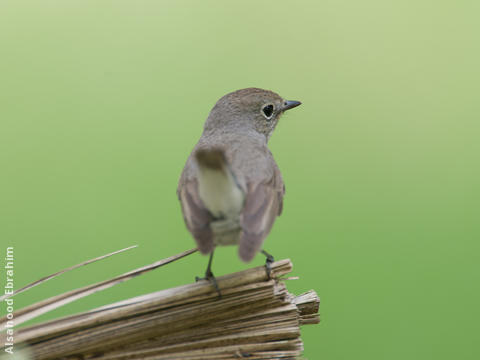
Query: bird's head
[[250, 108]]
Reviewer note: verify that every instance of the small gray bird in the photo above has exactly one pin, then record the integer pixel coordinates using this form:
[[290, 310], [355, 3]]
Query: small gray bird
[[231, 189]]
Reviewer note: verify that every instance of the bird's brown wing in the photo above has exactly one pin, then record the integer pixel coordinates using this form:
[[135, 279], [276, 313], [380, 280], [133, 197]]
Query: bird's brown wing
[[196, 216], [263, 203]]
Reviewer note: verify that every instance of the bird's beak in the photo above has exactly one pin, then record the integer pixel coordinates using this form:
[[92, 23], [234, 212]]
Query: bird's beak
[[290, 104]]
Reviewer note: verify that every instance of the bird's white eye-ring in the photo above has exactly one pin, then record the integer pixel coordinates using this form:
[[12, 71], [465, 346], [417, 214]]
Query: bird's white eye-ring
[[267, 111]]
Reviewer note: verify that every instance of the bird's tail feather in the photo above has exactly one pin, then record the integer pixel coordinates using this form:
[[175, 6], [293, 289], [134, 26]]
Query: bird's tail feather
[[213, 158]]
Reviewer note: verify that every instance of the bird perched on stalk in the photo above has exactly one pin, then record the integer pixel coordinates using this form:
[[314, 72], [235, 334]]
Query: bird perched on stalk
[[231, 189]]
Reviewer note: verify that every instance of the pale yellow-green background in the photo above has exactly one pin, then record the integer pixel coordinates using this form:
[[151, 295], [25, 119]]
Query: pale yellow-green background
[[101, 102]]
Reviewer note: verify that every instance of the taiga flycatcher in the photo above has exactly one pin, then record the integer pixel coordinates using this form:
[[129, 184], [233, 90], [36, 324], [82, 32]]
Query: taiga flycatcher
[[231, 189]]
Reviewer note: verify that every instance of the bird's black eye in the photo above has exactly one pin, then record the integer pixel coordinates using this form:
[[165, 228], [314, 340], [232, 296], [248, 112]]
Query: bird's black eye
[[267, 111]]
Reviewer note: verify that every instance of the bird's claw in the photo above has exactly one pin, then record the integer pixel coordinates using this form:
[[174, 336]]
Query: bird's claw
[[210, 277], [268, 264]]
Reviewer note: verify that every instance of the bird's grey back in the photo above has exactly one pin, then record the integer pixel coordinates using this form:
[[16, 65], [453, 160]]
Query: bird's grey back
[[256, 163]]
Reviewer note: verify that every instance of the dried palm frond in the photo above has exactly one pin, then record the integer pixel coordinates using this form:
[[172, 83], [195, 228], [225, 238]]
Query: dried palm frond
[[256, 317]]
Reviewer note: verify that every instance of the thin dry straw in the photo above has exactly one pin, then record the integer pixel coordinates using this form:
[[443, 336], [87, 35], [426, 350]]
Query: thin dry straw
[[49, 277], [55, 302]]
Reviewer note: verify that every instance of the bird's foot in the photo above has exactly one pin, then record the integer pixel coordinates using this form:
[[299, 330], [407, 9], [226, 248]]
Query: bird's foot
[[268, 264], [210, 277], [243, 354]]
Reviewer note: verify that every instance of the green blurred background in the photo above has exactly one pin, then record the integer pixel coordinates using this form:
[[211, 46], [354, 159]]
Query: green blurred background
[[102, 101]]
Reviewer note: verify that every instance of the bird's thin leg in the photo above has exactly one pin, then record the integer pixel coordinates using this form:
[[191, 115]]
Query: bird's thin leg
[[209, 275], [268, 263], [208, 272]]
